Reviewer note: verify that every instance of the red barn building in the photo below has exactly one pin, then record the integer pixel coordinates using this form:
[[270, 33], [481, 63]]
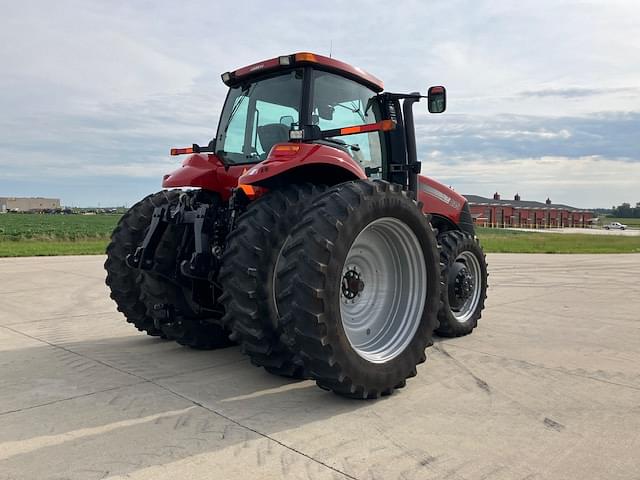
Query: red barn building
[[494, 212]]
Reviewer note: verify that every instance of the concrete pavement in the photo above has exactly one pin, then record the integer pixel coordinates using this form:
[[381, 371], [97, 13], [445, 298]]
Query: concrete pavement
[[548, 387]]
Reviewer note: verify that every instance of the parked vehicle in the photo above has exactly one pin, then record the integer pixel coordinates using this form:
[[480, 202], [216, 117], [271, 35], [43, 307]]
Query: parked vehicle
[[615, 226], [305, 232]]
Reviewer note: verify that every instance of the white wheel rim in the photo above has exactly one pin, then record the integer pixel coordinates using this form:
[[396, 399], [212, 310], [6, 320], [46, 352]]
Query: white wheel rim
[[466, 310], [381, 315]]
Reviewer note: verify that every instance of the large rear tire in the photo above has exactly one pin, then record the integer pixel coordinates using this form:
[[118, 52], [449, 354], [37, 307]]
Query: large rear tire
[[122, 280], [465, 279], [358, 288], [167, 304], [247, 276]]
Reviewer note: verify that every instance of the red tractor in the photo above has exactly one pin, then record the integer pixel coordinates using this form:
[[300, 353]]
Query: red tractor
[[304, 232]]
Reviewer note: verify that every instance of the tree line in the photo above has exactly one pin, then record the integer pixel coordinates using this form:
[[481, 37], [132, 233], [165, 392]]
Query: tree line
[[626, 211]]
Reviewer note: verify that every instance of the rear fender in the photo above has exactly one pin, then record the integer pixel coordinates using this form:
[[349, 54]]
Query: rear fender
[[303, 162], [205, 171]]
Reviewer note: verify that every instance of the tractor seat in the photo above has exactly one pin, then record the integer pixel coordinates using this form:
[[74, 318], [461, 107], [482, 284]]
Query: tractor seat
[[271, 134]]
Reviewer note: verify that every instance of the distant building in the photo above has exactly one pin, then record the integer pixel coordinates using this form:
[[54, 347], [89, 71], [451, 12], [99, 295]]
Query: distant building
[[495, 212], [27, 204]]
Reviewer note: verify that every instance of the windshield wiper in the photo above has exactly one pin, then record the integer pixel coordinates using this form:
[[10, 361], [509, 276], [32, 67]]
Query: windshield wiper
[[342, 143], [353, 109]]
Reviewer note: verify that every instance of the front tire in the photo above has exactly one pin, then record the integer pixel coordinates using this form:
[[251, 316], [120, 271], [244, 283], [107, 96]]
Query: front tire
[[465, 280], [358, 288]]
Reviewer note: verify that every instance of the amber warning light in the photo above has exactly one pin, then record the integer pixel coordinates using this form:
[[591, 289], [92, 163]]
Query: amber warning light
[[195, 148], [181, 151], [381, 126], [384, 125]]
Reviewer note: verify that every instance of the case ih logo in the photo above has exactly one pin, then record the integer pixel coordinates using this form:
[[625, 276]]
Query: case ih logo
[[256, 67]]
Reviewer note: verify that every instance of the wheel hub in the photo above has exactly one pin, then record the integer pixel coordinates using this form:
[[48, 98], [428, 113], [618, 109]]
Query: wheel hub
[[352, 284], [461, 285]]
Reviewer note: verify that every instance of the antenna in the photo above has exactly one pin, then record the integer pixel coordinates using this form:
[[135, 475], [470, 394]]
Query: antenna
[[330, 48]]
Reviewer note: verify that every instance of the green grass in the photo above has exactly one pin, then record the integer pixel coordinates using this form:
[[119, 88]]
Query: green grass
[[24, 235], [17, 227], [509, 241], [39, 248]]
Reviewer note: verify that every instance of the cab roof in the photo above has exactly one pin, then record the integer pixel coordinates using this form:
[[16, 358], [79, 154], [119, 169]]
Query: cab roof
[[236, 77]]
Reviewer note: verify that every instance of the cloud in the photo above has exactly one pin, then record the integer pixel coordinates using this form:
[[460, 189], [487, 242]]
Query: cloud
[[581, 182], [578, 92], [94, 94], [609, 135]]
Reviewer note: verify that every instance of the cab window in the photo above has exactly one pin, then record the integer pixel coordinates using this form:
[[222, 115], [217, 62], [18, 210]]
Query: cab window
[[339, 102], [258, 115]]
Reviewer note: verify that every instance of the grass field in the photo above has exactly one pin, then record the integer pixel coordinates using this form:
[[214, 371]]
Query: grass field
[[55, 227], [37, 235], [24, 235], [509, 241]]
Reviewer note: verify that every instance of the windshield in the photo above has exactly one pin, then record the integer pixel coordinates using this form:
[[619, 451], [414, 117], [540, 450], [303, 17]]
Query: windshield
[[258, 115]]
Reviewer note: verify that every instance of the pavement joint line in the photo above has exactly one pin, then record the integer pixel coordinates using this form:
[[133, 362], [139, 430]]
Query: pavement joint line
[[121, 370], [60, 400], [184, 397], [75, 353], [553, 369], [257, 432]]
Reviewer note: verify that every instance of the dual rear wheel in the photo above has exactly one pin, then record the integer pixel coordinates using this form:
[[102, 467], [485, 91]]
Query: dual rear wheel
[[248, 280], [358, 289]]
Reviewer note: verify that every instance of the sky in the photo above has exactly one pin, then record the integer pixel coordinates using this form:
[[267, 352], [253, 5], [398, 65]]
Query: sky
[[543, 97]]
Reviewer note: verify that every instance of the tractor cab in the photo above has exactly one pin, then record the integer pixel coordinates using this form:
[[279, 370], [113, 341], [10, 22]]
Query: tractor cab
[[301, 93], [312, 99]]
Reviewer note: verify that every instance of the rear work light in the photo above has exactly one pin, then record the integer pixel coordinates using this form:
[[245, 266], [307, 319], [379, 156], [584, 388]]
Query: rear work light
[[285, 60], [296, 134], [226, 77]]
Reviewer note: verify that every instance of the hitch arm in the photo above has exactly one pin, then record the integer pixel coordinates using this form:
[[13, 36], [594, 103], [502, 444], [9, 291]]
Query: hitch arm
[[143, 256], [199, 266]]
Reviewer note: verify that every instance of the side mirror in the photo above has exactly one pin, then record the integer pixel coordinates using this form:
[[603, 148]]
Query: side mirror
[[325, 112], [437, 99], [287, 120]]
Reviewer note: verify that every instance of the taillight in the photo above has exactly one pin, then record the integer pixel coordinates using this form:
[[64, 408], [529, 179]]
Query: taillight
[[285, 149]]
